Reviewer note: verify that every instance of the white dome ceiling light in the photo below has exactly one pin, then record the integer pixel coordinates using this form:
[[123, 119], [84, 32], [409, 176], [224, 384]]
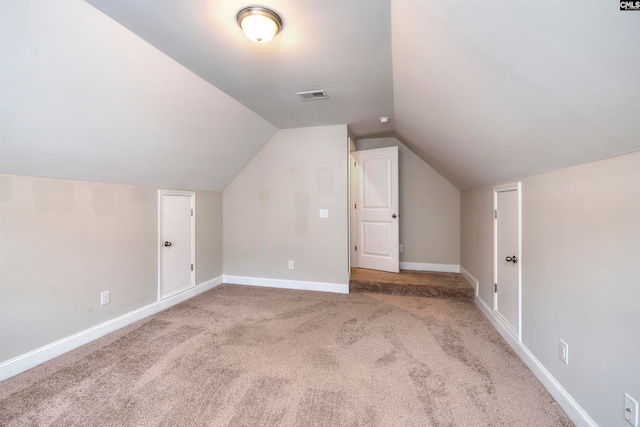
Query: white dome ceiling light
[[259, 24]]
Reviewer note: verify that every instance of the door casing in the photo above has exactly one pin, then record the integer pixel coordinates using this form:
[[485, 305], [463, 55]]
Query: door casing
[[353, 216]]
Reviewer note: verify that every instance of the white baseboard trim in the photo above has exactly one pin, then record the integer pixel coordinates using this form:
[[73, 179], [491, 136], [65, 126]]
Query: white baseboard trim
[[339, 288], [441, 268], [470, 279], [564, 399], [34, 358]]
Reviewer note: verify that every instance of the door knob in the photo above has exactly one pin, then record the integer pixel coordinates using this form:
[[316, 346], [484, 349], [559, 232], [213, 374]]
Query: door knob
[[167, 244], [394, 216], [512, 259]]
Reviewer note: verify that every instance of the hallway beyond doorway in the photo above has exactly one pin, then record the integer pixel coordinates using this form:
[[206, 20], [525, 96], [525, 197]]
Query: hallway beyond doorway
[[413, 283]]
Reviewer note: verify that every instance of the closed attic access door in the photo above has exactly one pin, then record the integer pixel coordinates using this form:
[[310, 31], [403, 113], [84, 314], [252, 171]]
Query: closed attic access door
[[507, 262], [176, 242]]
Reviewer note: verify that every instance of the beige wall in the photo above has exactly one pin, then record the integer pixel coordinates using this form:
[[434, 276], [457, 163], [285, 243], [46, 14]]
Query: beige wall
[[429, 208], [208, 235], [580, 276], [476, 229], [271, 209], [64, 241]]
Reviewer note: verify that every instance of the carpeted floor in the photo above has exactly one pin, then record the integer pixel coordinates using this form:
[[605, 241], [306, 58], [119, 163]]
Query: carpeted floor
[[247, 356], [410, 282]]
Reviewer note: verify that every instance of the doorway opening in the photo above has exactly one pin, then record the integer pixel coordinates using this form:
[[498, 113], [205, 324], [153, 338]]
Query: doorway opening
[[374, 204]]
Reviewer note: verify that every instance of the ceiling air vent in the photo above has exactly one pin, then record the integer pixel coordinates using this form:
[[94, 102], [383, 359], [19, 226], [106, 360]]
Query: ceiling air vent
[[313, 94]]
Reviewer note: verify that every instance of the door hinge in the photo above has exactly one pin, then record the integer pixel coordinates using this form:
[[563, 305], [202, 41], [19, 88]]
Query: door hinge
[[191, 212], [495, 214], [355, 206], [356, 247], [354, 164], [191, 267], [495, 287]]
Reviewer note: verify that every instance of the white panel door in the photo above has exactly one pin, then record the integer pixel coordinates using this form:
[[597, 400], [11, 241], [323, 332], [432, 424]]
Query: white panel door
[[377, 209], [176, 243], [507, 256]]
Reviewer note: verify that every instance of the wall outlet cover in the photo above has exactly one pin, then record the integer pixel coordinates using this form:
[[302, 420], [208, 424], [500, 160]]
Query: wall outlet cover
[[564, 352], [631, 410], [104, 298]]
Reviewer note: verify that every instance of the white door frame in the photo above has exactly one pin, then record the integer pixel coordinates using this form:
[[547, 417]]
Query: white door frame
[[514, 186], [353, 217], [192, 196]]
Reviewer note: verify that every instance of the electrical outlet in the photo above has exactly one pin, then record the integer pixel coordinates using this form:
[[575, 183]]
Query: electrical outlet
[[631, 410], [564, 352], [324, 213], [290, 265], [104, 298]]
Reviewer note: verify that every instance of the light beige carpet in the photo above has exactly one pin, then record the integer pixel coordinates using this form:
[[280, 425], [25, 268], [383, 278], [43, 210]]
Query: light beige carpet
[[246, 356]]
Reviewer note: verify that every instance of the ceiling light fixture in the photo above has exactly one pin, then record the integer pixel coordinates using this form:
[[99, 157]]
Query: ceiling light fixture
[[384, 120], [259, 24]]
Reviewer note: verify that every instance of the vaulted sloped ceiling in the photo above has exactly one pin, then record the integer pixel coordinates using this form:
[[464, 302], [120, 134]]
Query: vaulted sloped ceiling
[[484, 91], [488, 91], [83, 98], [343, 47]]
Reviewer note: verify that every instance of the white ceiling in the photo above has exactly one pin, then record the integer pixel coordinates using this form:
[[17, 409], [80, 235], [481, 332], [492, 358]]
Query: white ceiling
[[343, 47], [485, 91]]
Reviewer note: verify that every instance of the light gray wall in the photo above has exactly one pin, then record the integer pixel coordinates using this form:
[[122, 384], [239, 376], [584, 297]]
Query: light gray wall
[[271, 209], [82, 97], [429, 208], [65, 241], [580, 272]]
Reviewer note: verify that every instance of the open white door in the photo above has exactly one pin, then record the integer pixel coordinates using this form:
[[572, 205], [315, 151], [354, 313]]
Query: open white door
[[377, 209], [176, 242], [506, 302]]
